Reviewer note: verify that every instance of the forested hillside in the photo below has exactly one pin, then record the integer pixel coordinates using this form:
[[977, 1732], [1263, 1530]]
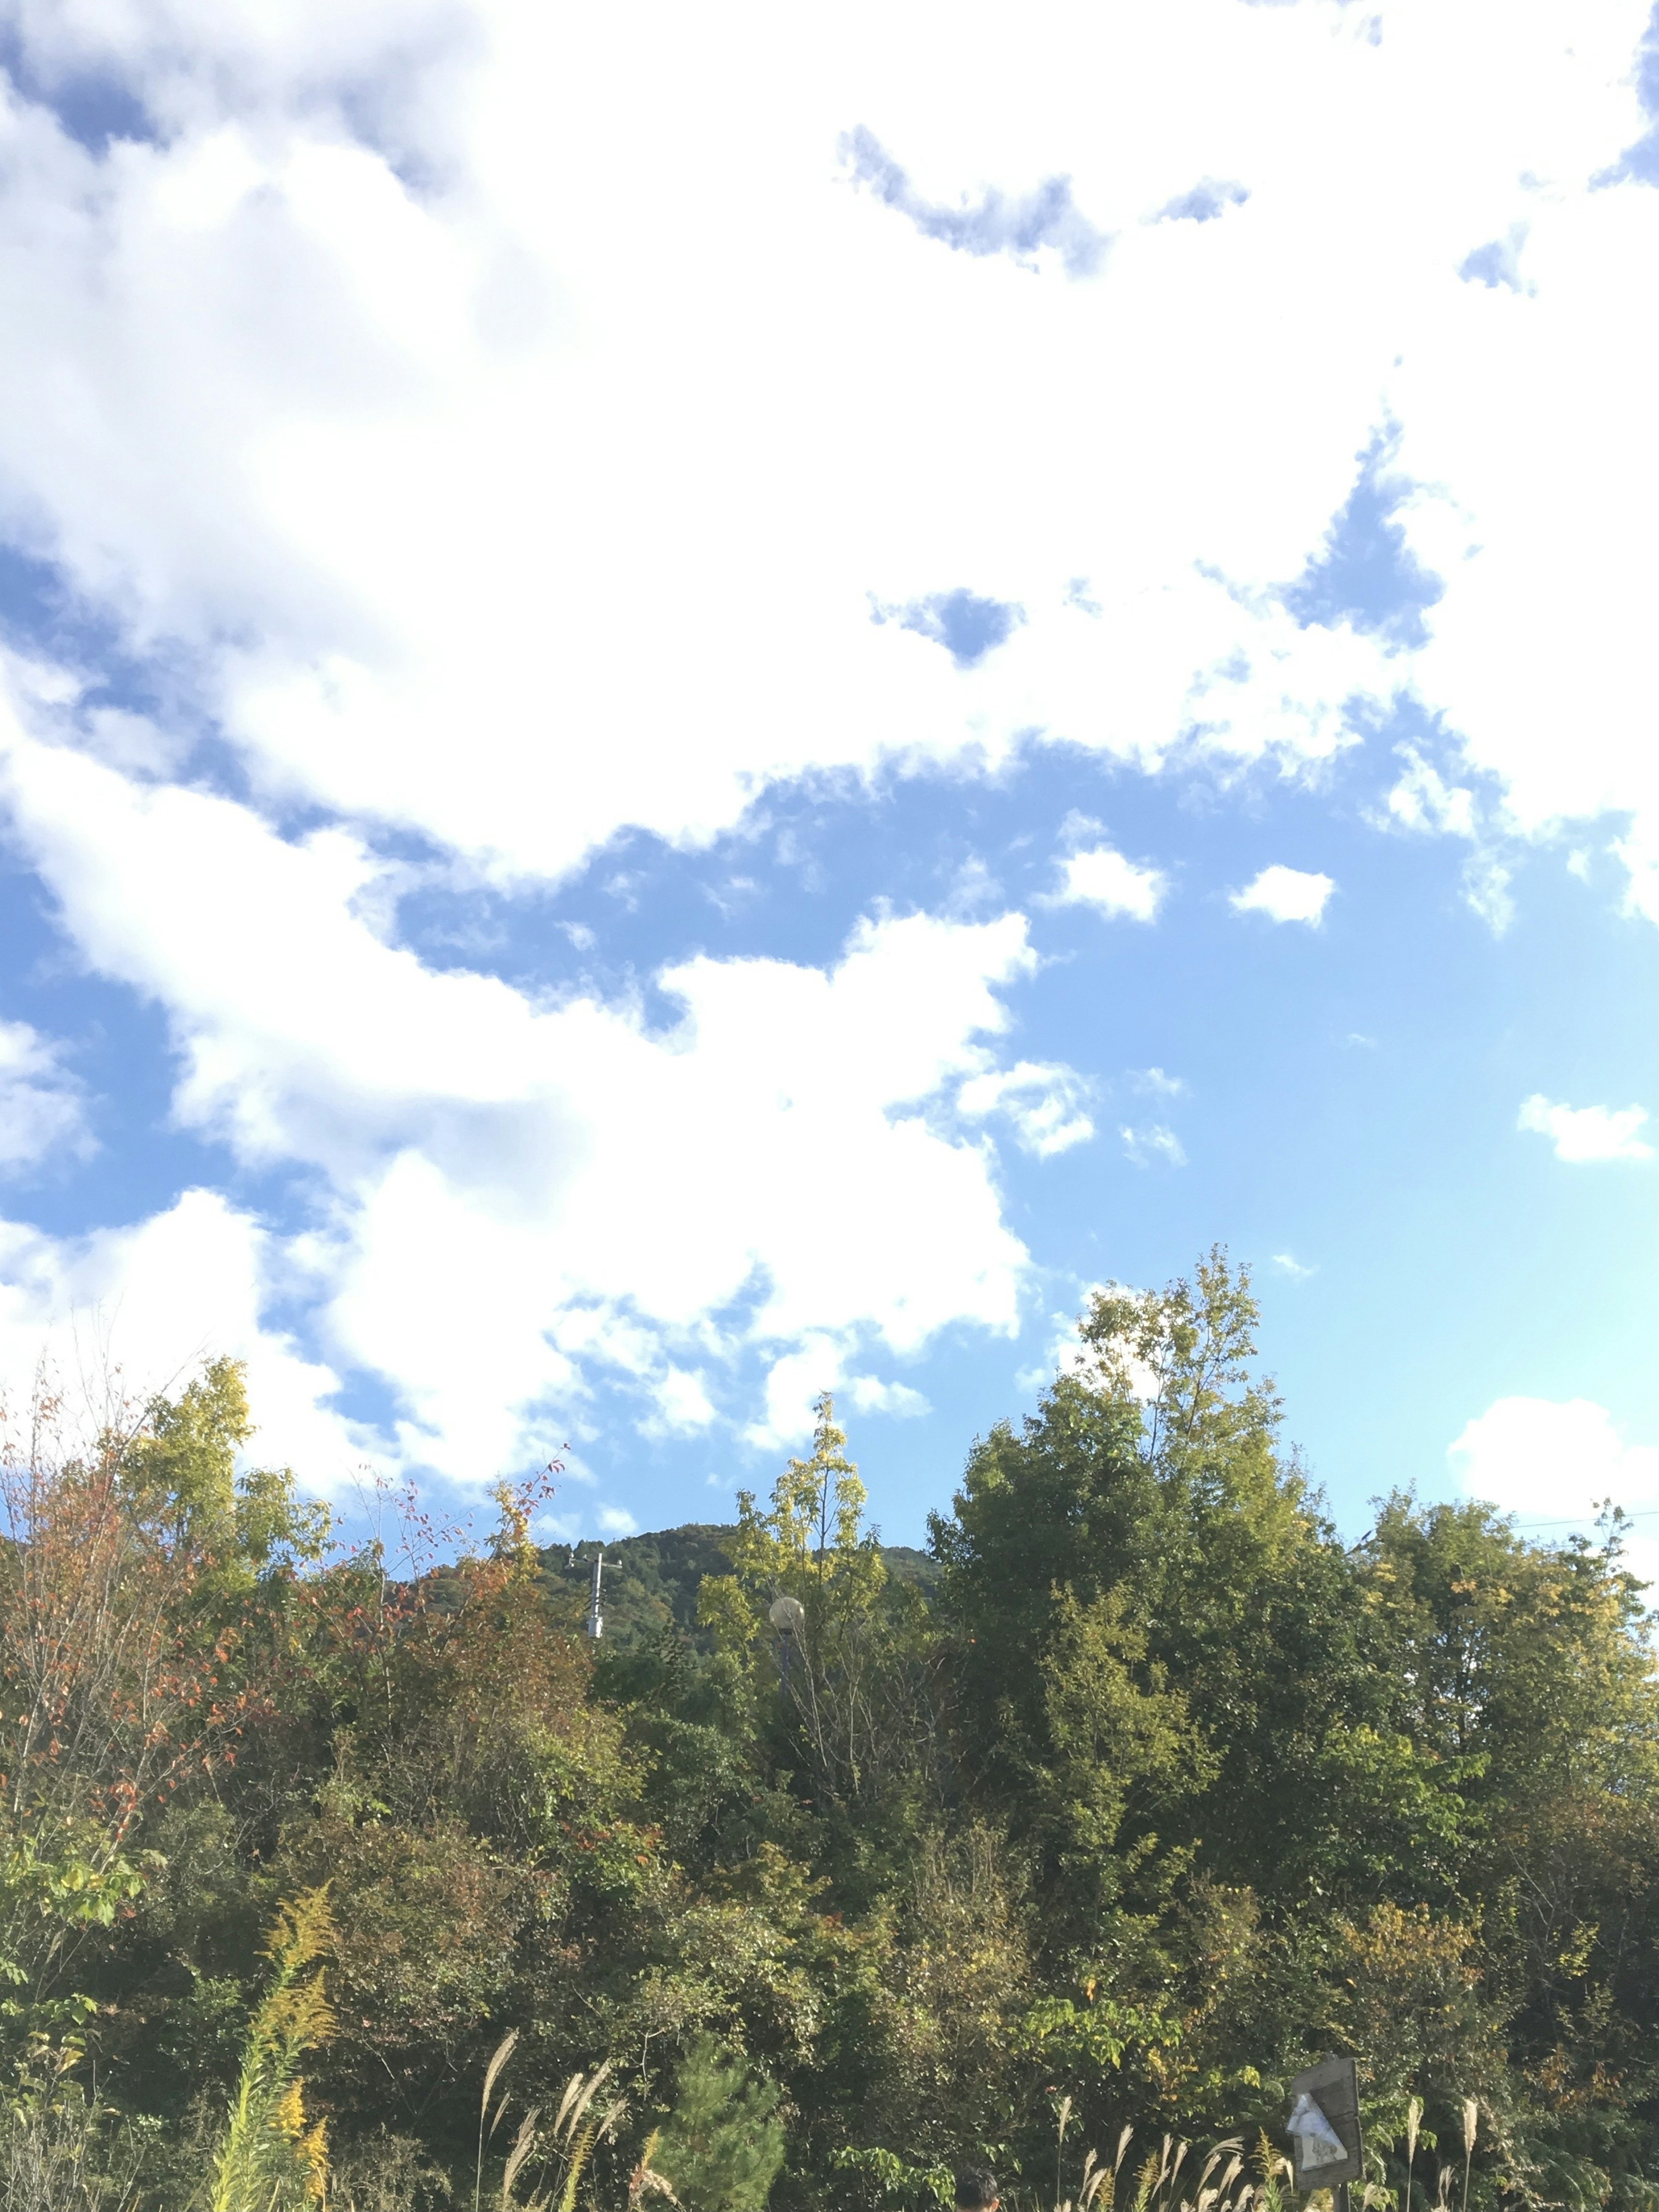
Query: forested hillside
[[1139, 1791]]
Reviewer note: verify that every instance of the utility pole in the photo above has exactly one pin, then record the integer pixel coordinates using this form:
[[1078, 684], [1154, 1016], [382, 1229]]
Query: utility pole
[[595, 1625]]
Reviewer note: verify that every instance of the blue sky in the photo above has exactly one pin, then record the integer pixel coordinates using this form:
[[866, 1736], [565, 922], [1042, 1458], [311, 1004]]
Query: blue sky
[[728, 728]]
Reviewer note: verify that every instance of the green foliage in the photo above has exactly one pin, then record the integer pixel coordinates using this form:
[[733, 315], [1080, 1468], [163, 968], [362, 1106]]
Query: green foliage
[[722, 2144], [890, 2180], [1141, 1792]]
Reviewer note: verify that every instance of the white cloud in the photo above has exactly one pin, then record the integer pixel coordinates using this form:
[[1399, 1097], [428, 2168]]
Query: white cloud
[[1044, 1102], [683, 1401], [525, 1196], [375, 457], [1487, 876], [1639, 851], [134, 1311], [1558, 1463], [1157, 1085], [1068, 1355], [616, 1521], [41, 1108], [1103, 879], [1156, 1143], [818, 1363], [1556, 562], [1064, 1352], [1587, 1133], [392, 426], [465, 498], [1421, 798], [870, 1394], [1288, 1264], [1285, 894]]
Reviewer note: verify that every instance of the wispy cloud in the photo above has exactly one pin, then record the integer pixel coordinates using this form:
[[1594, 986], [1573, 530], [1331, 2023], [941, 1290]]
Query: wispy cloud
[[1285, 894], [41, 1108], [1044, 1102], [1423, 799], [1288, 1264], [996, 223], [1143, 1146], [1587, 1133]]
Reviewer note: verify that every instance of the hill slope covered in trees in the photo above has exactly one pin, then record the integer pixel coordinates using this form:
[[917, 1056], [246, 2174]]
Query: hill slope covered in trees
[[1140, 1791]]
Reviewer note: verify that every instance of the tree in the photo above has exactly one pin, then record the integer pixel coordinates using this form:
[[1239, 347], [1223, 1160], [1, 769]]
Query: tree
[[853, 1675], [140, 1579], [1140, 1567], [722, 2144]]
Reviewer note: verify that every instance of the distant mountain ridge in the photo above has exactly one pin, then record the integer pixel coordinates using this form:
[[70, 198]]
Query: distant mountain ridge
[[651, 1580]]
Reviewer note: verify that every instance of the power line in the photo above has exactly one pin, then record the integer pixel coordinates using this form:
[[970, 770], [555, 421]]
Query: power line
[[1577, 1520]]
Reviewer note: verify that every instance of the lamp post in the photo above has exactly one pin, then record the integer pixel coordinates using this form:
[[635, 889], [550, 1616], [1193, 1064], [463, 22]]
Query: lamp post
[[789, 1616]]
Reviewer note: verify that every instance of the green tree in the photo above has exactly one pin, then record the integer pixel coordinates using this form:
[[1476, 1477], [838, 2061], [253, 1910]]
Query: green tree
[[722, 2144], [1140, 1584], [853, 1671]]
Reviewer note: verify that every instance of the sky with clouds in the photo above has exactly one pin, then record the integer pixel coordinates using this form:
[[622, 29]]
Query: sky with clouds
[[702, 704]]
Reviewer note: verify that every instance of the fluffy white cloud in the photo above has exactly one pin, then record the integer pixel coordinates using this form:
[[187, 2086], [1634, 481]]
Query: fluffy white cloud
[[682, 1401], [1587, 1133], [820, 1363], [1558, 1463], [1556, 561], [1104, 879], [870, 1395], [405, 436], [41, 1108], [1285, 894], [497, 424], [124, 1313], [523, 1194]]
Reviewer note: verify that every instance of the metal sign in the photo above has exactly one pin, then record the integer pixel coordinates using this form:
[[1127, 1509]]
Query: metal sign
[[1324, 2124]]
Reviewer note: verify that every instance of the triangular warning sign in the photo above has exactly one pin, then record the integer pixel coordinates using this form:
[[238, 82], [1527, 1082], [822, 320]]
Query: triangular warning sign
[[1317, 2141]]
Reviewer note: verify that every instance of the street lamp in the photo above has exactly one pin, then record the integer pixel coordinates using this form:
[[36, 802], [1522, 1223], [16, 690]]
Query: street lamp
[[789, 1616]]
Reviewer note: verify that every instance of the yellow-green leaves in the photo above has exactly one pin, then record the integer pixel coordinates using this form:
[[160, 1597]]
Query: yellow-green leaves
[[271, 2160]]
